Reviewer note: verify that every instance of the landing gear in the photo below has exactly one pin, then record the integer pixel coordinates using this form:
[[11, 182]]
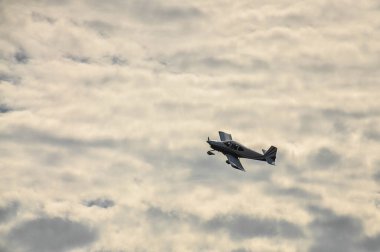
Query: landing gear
[[210, 152]]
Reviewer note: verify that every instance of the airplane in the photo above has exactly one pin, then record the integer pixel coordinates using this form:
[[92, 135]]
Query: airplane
[[234, 150]]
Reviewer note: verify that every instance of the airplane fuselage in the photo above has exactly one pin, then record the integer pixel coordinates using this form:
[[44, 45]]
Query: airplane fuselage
[[236, 149]]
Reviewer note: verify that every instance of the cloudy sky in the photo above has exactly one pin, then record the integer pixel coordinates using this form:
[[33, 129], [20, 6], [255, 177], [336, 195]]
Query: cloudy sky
[[105, 107]]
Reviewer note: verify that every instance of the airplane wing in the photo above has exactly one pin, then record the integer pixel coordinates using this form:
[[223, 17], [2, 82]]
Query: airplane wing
[[235, 162], [225, 136]]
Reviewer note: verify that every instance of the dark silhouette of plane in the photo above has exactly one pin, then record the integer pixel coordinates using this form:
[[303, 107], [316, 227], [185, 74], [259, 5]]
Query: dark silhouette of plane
[[234, 150]]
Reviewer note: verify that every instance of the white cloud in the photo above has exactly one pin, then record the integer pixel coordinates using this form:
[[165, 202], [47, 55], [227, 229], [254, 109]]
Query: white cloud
[[114, 101]]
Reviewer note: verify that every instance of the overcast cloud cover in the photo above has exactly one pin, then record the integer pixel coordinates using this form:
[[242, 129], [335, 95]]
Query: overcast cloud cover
[[105, 107]]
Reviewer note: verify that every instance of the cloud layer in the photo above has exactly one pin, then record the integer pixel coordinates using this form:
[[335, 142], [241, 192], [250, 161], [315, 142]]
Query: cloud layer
[[105, 107]]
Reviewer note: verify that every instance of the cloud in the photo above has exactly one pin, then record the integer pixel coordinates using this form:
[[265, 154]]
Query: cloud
[[372, 134], [371, 243], [334, 113], [240, 250], [100, 202], [118, 98], [152, 12], [161, 220], [325, 158], [245, 227], [38, 17], [333, 232], [79, 59], [117, 60], [376, 176], [9, 78], [155, 11], [212, 63], [103, 28], [29, 135], [8, 211], [292, 192], [21, 57], [50, 234], [4, 109]]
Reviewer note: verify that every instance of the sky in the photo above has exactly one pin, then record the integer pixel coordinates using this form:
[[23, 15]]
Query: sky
[[105, 107]]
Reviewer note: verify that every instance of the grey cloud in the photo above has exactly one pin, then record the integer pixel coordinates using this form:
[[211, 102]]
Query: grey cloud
[[27, 135], [257, 63], [318, 67], [8, 211], [161, 221], [313, 16], [188, 61], [335, 233], [341, 127], [376, 176], [237, 53], [377, 203], [341, 120], [289, 20], [372, 134], [38, 17], [100, 202], [200, 62], [158, 215], [3, 248], [101, 27], [244, 227], [214, 62], [9, 78], [241, 250], [4, 109], [325, 158], [118, 60], [110, 250], [21, 57], [219, 63], [60, 3], [50, 234], [371, 243], [213, 173], [154, 156], [292, 192], [309, 123], [334, 113], [77, 58], [153, 11], [238, 226]]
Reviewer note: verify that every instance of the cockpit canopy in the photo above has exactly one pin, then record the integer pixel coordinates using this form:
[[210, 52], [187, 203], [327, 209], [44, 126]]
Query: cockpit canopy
[[234, 146]]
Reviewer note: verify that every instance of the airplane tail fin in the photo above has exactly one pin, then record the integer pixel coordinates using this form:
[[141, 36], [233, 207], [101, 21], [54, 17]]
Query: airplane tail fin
[[270, 155]]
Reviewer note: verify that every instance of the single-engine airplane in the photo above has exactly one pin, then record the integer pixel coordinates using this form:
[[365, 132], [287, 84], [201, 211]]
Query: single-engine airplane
[[234, 150]]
